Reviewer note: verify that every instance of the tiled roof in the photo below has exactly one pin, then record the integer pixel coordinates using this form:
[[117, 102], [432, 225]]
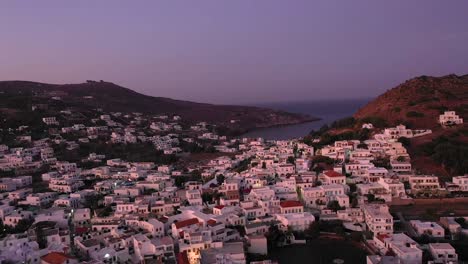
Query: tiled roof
[[55, 258], [286, 204], [187, 222], [382, 237], [332, 173], [81, 230], [211, 222]]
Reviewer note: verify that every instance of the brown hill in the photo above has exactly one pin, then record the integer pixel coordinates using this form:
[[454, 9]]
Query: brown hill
[[19, 95], [418, 102]]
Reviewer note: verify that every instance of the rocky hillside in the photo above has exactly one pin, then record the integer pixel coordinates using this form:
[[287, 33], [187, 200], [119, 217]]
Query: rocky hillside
[[18, 96], [418, 102]]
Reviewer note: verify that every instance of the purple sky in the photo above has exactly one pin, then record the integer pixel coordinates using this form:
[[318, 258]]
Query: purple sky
[[239, 51]]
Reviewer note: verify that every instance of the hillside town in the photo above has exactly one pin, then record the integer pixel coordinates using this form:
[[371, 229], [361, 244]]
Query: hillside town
[[135, 188]]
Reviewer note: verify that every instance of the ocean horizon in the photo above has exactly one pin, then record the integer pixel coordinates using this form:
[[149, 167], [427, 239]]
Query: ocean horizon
[[327, 110]]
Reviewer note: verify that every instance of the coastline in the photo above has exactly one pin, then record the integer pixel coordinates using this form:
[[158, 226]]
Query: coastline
[[258, 129], [315, 114]]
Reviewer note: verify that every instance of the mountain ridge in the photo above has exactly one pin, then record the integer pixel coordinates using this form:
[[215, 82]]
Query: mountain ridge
[[114, 98]]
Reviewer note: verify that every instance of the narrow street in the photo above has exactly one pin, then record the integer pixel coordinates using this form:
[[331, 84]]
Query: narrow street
[[406, 225]]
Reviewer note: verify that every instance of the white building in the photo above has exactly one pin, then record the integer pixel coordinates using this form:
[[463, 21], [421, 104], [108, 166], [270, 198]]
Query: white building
[[427, 228], [450, 118], [443, 253], [332, 177], [50, 121], [424, 183], [378, 218], [461, 183], [296, 221], [405, 248]]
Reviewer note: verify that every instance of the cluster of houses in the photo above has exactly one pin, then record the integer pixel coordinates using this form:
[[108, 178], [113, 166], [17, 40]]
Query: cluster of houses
[[216, 211], [450, 118]]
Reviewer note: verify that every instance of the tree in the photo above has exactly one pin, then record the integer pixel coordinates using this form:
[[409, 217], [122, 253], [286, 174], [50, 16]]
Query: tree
[[105, 212], [207, 197], [406, 142], [362, 145], [180, 180], [334, 205], [2, 229], [383, 162], [401, 159], [354, 202], [196, 175], [291, 160], [92, 201], [22, 225], [274, 236], [461, 221], [370, 197], [313, 231], [220, 179]]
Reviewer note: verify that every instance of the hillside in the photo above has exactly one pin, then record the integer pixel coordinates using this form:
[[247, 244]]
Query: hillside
[[419, 102], [18, 96]]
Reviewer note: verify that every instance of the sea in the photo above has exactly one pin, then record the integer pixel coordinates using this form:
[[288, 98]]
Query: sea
[[327, 110]]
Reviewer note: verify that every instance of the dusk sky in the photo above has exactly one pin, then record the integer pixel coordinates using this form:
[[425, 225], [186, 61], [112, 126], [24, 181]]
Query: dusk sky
[[239, 51]]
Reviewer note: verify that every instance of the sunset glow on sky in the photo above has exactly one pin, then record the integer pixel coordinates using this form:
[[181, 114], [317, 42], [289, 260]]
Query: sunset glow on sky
[[235, 51]]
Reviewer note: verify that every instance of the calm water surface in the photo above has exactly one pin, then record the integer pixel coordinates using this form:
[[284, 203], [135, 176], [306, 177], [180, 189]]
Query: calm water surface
[[327, 110]]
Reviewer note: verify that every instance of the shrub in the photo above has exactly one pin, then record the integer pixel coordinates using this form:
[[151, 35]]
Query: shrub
[[377, 121], [344, 122], [412, 114], [405, 141], [451, 153]]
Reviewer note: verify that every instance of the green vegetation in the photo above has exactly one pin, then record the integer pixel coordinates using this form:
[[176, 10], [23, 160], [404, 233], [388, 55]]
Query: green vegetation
[[401, 159], [344, 122], [462, 109], [371, 198], [93, 202], [347, 122], [319, 163], [462, 222], [425, 90], [182, 179], [377, 121], [21, 227], [406, 142], [220, 179], [383, 162], [193, 147], [207, 197], [137, 152], [334, 206], [243, 165], [328, 138], [320, 251], [439, 108], [414, 114], [451, 153]]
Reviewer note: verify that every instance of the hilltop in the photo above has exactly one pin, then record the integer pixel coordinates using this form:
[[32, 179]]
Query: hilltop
[[18, 96], [418, 102]]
